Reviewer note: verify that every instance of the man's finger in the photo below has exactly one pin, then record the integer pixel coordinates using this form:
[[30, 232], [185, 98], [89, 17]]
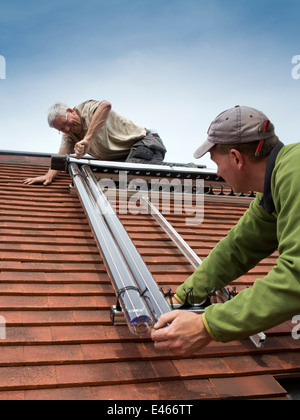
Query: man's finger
[[29, 181], [166, 319], [159, 331]]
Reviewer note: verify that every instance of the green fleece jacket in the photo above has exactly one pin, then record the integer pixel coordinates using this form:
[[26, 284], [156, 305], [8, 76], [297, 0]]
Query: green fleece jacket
[[272, 222]]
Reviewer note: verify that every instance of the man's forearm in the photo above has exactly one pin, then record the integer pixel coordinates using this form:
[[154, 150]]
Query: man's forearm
[[98, 121], [52, 174]]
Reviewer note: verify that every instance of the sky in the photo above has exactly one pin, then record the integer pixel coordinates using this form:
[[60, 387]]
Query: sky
[[169, 65]]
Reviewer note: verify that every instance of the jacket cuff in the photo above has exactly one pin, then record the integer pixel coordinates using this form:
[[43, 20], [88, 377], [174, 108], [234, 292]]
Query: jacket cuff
[[208, 328], [178, 298]]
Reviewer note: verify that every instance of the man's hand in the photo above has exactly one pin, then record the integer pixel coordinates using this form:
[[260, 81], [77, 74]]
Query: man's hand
[[82, 148], [49, 177], [185, 335], [45, 180]]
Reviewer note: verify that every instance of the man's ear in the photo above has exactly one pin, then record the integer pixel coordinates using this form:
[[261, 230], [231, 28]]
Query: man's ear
[[237, 158]]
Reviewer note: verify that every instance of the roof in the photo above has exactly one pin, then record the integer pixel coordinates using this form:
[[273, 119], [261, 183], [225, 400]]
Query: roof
[[56, 294]]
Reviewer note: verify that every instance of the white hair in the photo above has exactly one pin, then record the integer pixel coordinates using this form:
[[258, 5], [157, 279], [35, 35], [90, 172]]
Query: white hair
[[58, 109]]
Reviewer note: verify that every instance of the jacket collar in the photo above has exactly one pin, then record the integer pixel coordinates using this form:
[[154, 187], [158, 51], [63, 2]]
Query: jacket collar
[[267, 201]]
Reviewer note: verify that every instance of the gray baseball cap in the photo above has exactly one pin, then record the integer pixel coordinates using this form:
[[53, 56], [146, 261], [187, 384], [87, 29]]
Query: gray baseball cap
[[240, 124]]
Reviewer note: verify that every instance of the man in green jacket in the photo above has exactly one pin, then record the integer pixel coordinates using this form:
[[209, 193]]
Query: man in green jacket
[[250, 157]]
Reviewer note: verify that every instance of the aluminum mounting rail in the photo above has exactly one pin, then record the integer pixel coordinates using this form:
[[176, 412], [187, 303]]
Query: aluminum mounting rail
[[258, 339], [185, 249], [62, 162]]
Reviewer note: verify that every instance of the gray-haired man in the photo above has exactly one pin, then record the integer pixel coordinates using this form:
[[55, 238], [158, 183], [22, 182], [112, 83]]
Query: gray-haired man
[[93, 127]]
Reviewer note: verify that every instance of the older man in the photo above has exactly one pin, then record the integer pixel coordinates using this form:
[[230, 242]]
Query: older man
[[250, 157], [93, 127]]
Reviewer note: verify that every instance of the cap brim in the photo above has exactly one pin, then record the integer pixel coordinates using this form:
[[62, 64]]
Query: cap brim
[[206, 147]]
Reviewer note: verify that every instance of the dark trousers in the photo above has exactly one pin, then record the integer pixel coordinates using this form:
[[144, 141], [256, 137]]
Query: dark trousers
[[148, 150]]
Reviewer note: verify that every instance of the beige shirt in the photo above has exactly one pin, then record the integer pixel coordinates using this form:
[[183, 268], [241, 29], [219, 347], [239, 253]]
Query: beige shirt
[[115, 139]]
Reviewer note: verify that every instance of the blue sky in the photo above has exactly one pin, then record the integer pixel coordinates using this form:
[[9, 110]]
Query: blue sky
[[172, 65]]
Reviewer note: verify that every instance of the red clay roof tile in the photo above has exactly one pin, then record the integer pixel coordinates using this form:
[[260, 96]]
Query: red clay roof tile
[[55, 295], [248, 387]]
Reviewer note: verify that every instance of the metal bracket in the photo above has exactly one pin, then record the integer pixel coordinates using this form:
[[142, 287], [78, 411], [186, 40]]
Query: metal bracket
[[117, 316], [259, 340], [189, 303]]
